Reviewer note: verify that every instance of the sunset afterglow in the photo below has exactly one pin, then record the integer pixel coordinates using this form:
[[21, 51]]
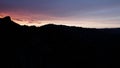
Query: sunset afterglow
[[83, 13]]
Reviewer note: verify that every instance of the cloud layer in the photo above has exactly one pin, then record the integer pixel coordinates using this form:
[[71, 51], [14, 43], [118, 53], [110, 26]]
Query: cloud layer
[[71, 12]]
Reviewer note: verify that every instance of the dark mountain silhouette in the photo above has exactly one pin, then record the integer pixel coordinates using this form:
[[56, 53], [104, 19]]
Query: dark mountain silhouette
[[57, 46]]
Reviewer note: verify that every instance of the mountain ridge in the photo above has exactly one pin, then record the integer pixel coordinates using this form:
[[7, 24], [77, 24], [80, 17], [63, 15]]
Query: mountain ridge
[[7, 19], [58, 46]]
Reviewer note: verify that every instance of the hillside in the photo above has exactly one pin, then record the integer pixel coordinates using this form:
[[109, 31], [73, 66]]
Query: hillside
[[58, 46]]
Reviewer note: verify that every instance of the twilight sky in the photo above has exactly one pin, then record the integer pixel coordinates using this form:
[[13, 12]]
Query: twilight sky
[[84, 13]]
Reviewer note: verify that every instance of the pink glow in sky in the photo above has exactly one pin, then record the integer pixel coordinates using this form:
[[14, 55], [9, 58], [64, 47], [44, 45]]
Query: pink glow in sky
[[83, 13]]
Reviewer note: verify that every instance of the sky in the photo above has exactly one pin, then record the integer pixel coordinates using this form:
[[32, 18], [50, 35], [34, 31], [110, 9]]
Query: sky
[[82, 13]]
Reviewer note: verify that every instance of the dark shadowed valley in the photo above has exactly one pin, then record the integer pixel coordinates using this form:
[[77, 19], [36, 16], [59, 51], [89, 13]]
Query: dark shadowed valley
[[58, 46]]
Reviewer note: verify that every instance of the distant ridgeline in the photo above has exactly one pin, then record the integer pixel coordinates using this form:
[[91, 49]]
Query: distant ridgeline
[[58, 46]]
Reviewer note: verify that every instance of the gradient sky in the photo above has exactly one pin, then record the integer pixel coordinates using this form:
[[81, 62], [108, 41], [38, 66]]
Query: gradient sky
[[84, 13]]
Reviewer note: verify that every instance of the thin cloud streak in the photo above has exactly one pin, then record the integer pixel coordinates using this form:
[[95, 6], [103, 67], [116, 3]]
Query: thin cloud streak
[[73, 12]]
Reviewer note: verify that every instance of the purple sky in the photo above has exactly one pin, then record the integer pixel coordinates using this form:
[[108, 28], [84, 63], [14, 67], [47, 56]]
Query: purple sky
[[85, 13]]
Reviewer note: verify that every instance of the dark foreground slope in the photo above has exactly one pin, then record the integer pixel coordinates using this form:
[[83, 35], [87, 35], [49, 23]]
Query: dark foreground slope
[[57, 46]]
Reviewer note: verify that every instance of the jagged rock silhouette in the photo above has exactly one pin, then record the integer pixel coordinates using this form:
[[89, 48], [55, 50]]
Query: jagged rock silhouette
[[58, 46]]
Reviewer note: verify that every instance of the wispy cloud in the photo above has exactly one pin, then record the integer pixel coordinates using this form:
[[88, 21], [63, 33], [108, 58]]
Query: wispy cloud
[[60, 11]]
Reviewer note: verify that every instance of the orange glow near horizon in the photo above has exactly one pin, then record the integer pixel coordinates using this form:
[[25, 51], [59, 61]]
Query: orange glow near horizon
[[80, 13], [39, 20]]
